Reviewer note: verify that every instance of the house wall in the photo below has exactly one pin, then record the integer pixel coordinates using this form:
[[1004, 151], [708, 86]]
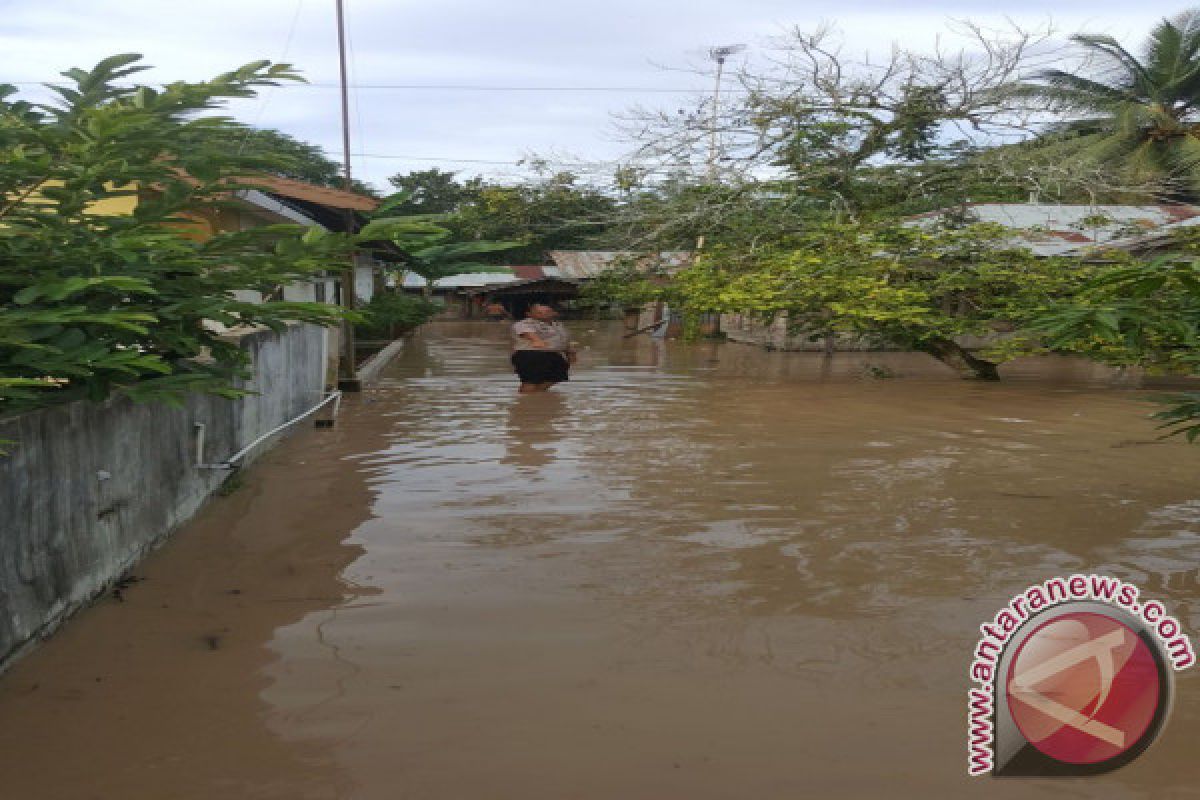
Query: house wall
[[87, 490], [364, 281]]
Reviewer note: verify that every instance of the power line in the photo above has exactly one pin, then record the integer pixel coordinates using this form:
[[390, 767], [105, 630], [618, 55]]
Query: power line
[[526, 162], [468, 87], [266, 96], [511, 163], [465, 87]]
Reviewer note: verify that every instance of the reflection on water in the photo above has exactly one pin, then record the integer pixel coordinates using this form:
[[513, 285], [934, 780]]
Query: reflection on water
[[704, 571], [533, 429]]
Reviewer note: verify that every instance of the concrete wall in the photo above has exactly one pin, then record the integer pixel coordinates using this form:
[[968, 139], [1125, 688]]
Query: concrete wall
[[365, 270], [748, 329], [87, 489]]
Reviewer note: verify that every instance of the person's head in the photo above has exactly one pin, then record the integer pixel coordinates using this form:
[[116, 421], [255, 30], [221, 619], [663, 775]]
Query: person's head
[[542, 311]]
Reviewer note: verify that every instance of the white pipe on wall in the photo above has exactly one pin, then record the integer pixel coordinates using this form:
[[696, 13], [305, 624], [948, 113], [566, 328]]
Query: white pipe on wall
[[334, 397]]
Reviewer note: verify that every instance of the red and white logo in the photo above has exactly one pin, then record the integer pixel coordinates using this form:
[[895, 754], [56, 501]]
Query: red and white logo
[[1083, 688], [1074, 676]]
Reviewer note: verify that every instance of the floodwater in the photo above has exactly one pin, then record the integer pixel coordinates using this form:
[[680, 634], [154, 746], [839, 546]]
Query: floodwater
[[696, 571]]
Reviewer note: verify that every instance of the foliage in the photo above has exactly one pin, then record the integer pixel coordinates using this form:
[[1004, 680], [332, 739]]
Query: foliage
[[391, 313], [812, 112], [551, 214], [434, 191], [625, 286], [94, 302], [1182, 417], [281, 154], [916, 287], [1142, 314], [429, 246], [1137, 116], [447, 258]]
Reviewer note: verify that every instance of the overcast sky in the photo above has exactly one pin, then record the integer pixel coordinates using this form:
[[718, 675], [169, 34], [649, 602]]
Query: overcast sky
[[486, 43]]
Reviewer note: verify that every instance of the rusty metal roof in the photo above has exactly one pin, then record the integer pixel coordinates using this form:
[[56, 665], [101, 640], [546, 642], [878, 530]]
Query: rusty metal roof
[[579, 264], [321, 195], [536, 284], [528, 272]]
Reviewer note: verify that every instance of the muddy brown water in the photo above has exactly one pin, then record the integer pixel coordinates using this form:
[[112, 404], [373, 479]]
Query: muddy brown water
[[696, 571]]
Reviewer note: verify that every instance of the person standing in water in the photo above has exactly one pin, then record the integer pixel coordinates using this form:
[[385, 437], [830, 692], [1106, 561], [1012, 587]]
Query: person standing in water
[[542, 351]]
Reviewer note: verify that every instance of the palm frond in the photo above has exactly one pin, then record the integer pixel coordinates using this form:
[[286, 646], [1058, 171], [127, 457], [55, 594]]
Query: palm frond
[[1122, 58], [1075, 92]]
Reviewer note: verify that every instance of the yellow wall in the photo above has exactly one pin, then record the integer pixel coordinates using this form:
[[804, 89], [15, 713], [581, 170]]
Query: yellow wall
[[207, 223], [109, 207], [114, 206], [203, 224]]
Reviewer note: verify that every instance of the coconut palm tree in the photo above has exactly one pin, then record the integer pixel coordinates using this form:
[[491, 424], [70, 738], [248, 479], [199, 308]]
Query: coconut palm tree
[[1139, 117]]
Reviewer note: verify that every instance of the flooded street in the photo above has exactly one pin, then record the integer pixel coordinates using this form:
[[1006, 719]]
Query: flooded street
[[695, 571]]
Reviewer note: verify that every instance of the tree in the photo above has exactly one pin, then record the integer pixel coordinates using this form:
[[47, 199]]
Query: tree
[[907, 286], [430, 248], [555, 213], [809, 112], [551, 213], [625, 285], [1139, 314], [290, 157], [1139, 117], [434, 191], [439, 261], [93, 303]]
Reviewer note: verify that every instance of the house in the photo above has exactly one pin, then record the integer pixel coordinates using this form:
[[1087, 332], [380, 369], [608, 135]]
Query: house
[[519, 286], [466, 294], [271, 200], [275, 199]]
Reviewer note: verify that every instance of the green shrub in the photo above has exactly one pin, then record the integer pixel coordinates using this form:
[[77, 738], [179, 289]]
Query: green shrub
[[391, 314]]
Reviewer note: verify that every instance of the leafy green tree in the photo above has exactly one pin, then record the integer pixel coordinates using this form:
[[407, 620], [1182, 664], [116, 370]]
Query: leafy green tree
[[1137, 116], [278, 153], [626, 286], [443, 260], [429, 246], [551, 214], [94, 302], [917, 288], [434, 191], [554, 214], [1139, 314], [289, 157]]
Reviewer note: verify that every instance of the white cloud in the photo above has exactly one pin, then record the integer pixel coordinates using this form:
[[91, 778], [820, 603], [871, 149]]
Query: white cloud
[[489, 42]]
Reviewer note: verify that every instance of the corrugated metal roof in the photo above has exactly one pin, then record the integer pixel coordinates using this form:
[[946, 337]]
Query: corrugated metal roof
[[469, 280], [548, 283], [299, 190], [580, 264], [528, 272], [1048, 229]]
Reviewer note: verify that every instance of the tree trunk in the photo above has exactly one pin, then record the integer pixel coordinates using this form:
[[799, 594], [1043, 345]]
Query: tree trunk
[[962, 362]]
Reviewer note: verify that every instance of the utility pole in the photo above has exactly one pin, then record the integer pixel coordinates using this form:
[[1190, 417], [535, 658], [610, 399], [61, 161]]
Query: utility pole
[[718, 54], [347, 371]]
